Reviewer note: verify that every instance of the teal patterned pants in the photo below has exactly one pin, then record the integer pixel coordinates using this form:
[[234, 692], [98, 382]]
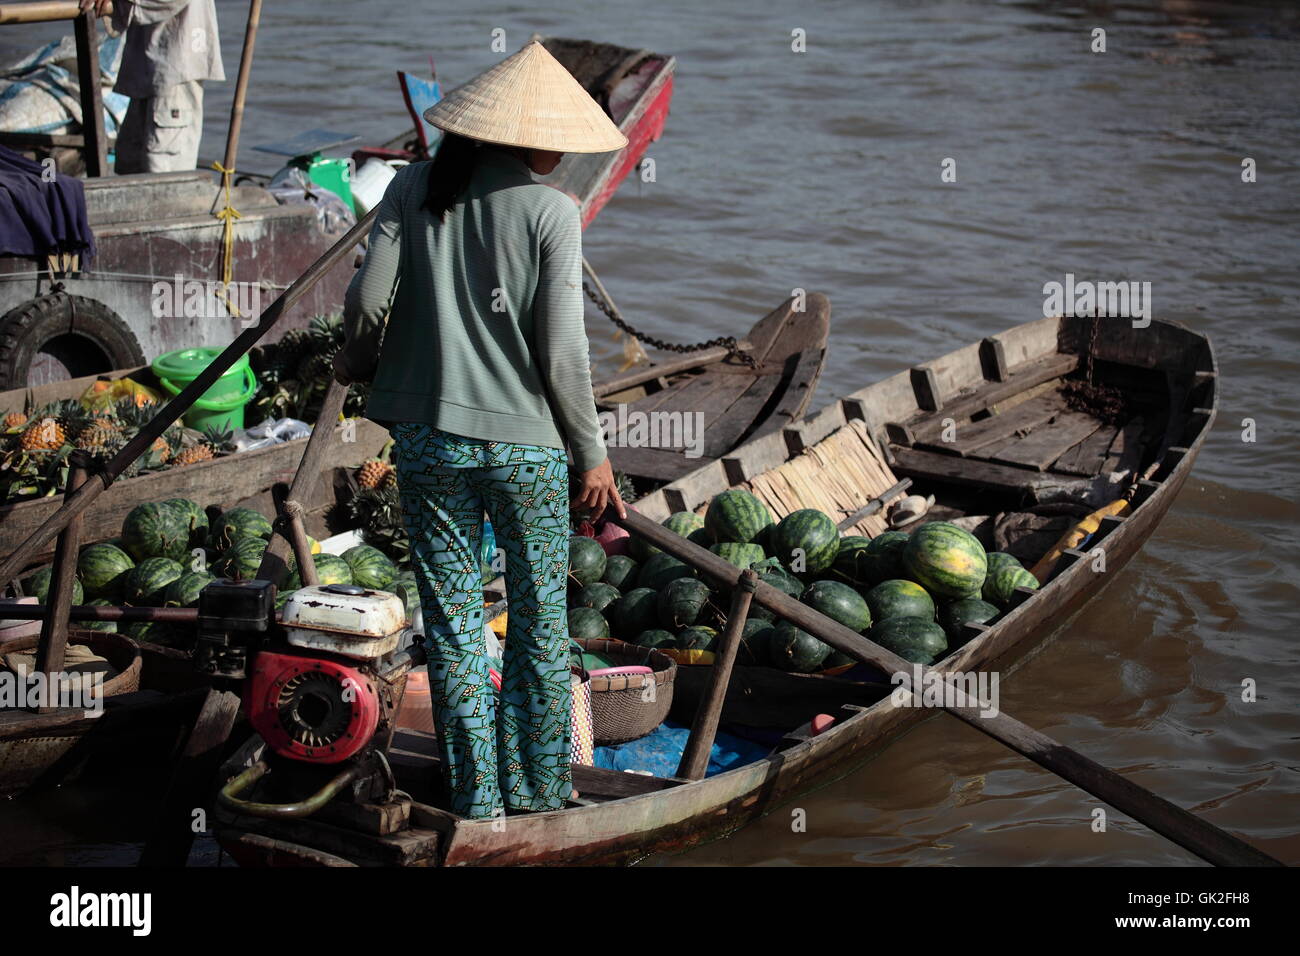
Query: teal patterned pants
[[517, 759]]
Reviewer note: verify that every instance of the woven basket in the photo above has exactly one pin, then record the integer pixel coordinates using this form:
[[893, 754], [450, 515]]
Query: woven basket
[[619, 712]]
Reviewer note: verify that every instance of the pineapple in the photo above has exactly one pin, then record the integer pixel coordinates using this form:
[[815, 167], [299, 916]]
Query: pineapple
[[194, 454], [15, 420], [96, 436], [374, 473], [44, 434]]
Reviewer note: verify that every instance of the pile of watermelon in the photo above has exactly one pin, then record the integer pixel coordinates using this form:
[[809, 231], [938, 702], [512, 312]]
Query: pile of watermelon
[[168, 551], [909, 592]]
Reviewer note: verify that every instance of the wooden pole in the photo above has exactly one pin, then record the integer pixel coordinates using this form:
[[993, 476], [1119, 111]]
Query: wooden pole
[[95, 151], [704, 730], [42, 11], [81, 499], [1186, 829], [875, 504], [241, 84], [54, 629]]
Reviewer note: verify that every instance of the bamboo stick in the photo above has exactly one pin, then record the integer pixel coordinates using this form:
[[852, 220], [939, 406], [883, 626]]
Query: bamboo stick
[[54, 629], [1173, 822], [42, 12], [241, 84], [81, 499]]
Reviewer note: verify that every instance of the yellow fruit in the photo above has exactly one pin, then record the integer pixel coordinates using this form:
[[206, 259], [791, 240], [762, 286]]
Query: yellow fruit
[[374, 473], [193, 455], [44, 435], [14, 419]]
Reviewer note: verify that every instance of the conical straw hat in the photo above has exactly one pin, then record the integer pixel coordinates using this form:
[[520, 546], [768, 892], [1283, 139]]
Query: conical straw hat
[[528, 99]]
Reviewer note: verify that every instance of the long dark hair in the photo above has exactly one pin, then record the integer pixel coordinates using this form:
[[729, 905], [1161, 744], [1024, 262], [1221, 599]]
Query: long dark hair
[[450, 172]]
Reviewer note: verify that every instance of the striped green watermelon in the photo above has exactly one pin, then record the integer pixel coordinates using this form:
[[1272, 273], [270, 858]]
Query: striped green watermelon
[[754, 637], [146, 583], [404, 587], [194, 518], [697, 639], [884, 557], [155, 530], [155, 632], [681, 602], [620, 572], [685, 523], [241, 560], [1001, 585], [736, 515], [741, 555], [184, 591], [370, 567], [851, 560], [109, 626], [1000, 559], [101, 567], [840, 603], [634, 612], [969, 610], [39, 585], [235, 524], [913, 639], [659, 569], [946, 560], [598, 596], [587, 624], [655, 637], [331, 569], [899, 598], [587, 560], [795, 650], [782, 580], [806, 541]]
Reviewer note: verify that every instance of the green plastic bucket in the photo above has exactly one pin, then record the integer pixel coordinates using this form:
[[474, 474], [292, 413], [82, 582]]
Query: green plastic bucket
[[222, 405]]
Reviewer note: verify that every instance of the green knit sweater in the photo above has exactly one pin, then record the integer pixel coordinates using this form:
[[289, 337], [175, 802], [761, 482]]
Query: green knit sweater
[[485, 334]]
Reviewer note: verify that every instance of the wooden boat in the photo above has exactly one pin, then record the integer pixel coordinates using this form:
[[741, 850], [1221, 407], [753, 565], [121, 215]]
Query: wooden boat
[[1020, 446], [635, 87]]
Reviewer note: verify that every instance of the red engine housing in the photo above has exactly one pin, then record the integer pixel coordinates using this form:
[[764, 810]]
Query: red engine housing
[[310, 708]]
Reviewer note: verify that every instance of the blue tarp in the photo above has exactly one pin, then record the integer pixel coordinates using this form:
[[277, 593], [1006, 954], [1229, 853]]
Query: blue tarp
[[661, 751]]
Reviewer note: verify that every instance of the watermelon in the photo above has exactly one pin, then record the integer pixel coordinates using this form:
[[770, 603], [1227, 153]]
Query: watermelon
[[792, 649], [697, 639], [681, 602], [685, 523], [586, 560], [945, 560], [598, 596], [782, 580], [146, 583], [101, 567], [155, 530], [736, 515], [851, 561], [370, 567], [840, 603], [241, 560], [193, 517], [184, 591], [1000, 559], [655, 637], [331, 569], [753, 641], [660, 569], [899, 598], [884, 557], [741, 555], [913, 639], [587, 624], [964, 611], [837, 659], [807, 541], [235, 524], [1000, 585], [109, 626], [155, 632], [39, 585], [634, 612], [620, 571], [404, 587]]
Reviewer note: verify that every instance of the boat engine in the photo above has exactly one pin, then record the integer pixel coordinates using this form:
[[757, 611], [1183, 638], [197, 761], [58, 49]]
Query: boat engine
[[323, 687]]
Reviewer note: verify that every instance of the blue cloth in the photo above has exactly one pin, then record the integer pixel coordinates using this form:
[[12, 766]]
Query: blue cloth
[[40, 217], [661, 751]]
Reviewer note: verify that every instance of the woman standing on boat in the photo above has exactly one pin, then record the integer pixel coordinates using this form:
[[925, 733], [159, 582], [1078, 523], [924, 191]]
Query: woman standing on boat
[[483, 379]]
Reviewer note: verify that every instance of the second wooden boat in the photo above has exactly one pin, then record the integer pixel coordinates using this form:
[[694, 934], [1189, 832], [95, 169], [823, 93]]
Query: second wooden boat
[[1046, 415]]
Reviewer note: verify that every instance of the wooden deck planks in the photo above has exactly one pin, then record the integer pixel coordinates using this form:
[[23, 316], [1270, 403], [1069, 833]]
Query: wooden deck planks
[[999, 429], [1044, 444], [1088, 456]]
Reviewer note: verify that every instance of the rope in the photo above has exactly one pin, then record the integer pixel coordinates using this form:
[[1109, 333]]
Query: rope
[[293, 509], [227, 215]]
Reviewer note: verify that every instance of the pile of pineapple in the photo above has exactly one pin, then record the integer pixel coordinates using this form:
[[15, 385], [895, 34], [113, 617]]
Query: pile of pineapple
[[35, 444], [294, 372]]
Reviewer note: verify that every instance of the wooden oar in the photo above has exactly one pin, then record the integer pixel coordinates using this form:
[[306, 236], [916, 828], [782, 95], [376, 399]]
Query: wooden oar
[[1186, 829]]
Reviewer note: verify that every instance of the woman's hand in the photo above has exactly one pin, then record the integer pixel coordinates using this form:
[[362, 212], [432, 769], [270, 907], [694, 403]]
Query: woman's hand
[[598, 489]]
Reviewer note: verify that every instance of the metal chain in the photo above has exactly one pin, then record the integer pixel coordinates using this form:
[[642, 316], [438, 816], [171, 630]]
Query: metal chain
[[726, 341]]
